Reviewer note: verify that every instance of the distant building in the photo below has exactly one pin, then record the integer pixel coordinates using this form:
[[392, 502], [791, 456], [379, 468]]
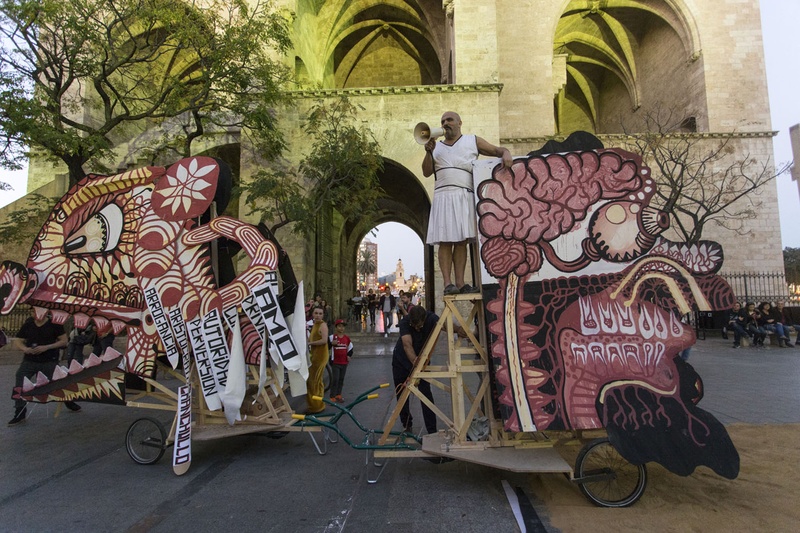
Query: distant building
[[397, 280]]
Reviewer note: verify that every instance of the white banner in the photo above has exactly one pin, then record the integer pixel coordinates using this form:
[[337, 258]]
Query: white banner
[[280, 339], [217, 346], [205, 371], [236, 384], [161, 321], [182, 450], [181, 338], [297, 379]]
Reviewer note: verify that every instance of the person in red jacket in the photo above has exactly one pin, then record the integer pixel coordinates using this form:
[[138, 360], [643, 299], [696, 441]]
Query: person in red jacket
[[341, 352]]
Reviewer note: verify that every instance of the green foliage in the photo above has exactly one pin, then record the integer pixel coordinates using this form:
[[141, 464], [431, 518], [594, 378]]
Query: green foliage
[[79, 77], [276, 195], [340, 172], [22, 225], [791, 264]]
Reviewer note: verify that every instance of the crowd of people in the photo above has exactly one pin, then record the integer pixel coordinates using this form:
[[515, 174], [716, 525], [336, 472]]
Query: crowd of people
[[754, 324], [364, 307]]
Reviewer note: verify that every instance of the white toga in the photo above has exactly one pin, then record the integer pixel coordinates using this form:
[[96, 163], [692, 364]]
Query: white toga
[[453, 208]]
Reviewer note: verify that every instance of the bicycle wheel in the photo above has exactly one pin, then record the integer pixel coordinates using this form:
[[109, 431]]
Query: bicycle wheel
[[612, 481], [146, 441]]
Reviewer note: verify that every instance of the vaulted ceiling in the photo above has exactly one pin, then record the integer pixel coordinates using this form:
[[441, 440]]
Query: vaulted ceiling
[[369, 43], [602, 45]]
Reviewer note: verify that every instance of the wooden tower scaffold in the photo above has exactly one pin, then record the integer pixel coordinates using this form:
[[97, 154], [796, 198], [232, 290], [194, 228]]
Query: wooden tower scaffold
[[465, 375]]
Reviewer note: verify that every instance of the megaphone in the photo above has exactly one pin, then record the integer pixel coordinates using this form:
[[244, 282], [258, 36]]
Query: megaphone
[[423, 133]]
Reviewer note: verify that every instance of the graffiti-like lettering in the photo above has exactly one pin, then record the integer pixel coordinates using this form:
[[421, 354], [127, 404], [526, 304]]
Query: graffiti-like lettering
[[162, 325], [217, 345], [182, 451], [208, 384]]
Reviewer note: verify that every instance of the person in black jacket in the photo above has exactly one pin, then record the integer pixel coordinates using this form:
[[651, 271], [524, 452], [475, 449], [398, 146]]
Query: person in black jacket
[[737, 323], [784, 316], [752, 317], [768, 322], [40, 340]]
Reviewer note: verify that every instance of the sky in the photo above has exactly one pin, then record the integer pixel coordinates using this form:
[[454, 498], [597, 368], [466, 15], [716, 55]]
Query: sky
[[779, 20]]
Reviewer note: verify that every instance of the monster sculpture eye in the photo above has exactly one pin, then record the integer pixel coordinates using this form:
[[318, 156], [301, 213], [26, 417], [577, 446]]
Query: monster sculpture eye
[[100, 233], [621, 231]]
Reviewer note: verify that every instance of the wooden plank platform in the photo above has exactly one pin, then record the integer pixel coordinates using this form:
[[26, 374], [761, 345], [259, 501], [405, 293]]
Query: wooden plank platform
[[222, 430], [525, 460]]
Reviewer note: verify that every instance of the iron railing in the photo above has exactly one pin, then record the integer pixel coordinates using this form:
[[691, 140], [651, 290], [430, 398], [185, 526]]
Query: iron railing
[[14, 320], [761, 287]]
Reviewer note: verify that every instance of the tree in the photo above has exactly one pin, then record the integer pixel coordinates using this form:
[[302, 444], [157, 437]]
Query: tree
[[791, 265], [79, 77], [366, 263], [700, 181], [339, 172]]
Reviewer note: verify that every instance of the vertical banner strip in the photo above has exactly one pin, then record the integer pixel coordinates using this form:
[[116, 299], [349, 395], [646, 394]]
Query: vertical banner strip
[[162, 325], [253, 312], [236, 383], [251, 309], [279, 336], [217, 347], [182, 450], [205, 372], [297, 378], [181, 339]]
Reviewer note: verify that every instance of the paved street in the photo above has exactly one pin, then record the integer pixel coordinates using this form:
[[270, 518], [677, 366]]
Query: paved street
[[72, 472]]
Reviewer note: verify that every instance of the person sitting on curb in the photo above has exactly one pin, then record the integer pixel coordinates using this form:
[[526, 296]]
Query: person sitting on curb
[[770, 325], [752, 317], [736, 323], [783, 316]]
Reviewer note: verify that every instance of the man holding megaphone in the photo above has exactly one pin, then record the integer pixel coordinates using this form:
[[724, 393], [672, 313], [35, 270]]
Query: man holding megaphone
[[452, 220]]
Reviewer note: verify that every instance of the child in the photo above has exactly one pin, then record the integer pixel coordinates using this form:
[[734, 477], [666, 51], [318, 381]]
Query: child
[[341, 351]]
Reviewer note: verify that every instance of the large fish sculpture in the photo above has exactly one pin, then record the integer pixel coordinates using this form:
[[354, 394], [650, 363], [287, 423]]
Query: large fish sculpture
[[132, 252]]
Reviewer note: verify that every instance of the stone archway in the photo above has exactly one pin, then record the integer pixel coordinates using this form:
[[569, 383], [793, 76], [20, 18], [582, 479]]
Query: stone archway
[[406, 202]]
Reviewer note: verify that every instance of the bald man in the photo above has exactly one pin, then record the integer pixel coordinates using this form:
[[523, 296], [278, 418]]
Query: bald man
[[452, 220]]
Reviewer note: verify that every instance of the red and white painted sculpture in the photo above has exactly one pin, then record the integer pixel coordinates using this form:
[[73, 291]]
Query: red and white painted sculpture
[[132, 252], [586, 304]]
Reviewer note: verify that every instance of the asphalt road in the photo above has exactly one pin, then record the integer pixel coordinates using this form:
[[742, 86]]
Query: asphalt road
[[72, 472]]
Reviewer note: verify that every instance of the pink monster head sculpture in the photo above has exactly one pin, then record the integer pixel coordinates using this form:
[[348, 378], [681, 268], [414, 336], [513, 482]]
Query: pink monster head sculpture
[[595, 341]]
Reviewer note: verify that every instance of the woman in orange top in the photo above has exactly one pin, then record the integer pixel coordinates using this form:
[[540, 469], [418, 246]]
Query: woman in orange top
[[318, 341]]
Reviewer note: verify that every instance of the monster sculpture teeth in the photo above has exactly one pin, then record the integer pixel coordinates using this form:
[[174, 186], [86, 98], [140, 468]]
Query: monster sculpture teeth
[[76, 379]]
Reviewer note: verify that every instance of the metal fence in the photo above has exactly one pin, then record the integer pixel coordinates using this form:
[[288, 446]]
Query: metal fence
[[760, 287], [13, 321]]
